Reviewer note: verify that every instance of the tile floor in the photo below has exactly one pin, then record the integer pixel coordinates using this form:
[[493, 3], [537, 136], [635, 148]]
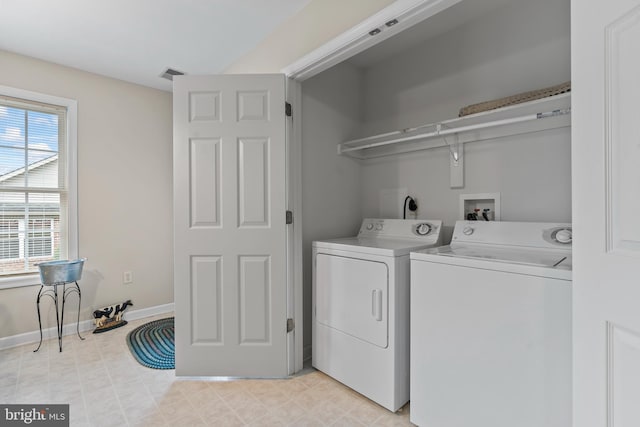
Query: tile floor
[[105, 386]]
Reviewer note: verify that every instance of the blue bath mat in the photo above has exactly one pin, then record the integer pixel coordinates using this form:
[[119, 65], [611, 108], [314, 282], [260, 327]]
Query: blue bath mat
[[153, 344]]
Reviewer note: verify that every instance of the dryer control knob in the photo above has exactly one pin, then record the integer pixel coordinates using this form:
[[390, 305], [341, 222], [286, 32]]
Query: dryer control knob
[[369, 226], [424, 229], [467, 231], [564, 236], [378, 227]]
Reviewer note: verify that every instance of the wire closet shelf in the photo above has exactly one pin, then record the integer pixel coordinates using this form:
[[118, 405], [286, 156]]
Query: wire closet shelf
[[541, 114]]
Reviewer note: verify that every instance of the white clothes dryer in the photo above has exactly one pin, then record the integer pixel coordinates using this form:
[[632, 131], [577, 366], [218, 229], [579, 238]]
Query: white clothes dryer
[[491, 327], [361, 306]]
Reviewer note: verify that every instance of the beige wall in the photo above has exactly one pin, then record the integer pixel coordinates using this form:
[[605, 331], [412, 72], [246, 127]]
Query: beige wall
[[125, 163], [316, 24], [124, 190]]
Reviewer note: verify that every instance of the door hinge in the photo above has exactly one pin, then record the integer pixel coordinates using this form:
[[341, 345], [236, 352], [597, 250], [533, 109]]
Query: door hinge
[[290, 325], [289, 217], [287, 109]]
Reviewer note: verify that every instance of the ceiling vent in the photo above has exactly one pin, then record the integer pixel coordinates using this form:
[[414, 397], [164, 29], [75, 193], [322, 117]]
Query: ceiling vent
[[170, 72]]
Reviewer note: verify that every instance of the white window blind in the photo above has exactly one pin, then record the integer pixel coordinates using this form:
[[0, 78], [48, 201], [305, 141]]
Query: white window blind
[[33, 185]]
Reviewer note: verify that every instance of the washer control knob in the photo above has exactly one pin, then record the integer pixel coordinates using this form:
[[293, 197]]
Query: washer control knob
[[369, 226], [564, 235], [423, 229], [379, 227], [467, 231]]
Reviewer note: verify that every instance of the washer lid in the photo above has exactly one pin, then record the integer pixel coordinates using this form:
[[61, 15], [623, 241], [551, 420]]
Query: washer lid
[[374, 246], [519, 256], [533, 262]]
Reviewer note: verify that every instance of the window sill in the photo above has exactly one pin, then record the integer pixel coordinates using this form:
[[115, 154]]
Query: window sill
[[19, 281]]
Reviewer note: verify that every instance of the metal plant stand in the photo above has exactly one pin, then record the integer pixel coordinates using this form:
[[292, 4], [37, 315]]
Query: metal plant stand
[[52, 275]]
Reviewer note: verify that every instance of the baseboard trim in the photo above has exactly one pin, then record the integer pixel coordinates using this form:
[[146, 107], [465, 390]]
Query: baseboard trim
[[149, 311], [85, 325]]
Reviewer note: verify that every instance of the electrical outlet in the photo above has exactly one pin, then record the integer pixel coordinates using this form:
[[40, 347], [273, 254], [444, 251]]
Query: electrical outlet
[[127, 277], [413, 204]]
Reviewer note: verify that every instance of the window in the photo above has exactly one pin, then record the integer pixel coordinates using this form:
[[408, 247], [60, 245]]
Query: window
[[37, 183], [9, 239], [40, 240]]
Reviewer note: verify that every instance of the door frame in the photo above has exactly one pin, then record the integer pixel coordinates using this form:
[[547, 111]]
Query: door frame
[[293, 178], [360, 37]]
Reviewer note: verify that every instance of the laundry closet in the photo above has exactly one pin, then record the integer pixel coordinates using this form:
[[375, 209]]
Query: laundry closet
[[471, 52]]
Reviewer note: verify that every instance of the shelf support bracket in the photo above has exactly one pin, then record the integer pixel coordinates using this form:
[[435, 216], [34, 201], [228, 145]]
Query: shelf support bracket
[[456, 163], [456, 158]]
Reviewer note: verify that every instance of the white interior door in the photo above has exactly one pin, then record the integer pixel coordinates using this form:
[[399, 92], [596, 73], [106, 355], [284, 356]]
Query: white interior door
[[230, 276], [606, 201]]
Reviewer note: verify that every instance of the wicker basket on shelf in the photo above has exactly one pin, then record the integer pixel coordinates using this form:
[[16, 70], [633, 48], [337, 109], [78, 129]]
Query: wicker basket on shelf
[[515, 99]]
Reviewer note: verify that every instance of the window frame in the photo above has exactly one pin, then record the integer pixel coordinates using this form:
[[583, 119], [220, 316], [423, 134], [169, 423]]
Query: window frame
[[71, 177]]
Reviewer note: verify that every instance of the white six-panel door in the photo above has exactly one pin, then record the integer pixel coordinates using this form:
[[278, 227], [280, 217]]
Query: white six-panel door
[[229, 225], [606, 203]]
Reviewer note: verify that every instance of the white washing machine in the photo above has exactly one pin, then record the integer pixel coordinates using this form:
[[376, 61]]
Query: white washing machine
[[491, 327], [361, 306]]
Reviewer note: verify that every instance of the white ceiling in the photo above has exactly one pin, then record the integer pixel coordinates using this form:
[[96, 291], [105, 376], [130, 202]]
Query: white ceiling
[[136, 40]]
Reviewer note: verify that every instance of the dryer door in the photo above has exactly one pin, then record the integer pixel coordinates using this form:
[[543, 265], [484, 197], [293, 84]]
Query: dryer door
[[352, 297]]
